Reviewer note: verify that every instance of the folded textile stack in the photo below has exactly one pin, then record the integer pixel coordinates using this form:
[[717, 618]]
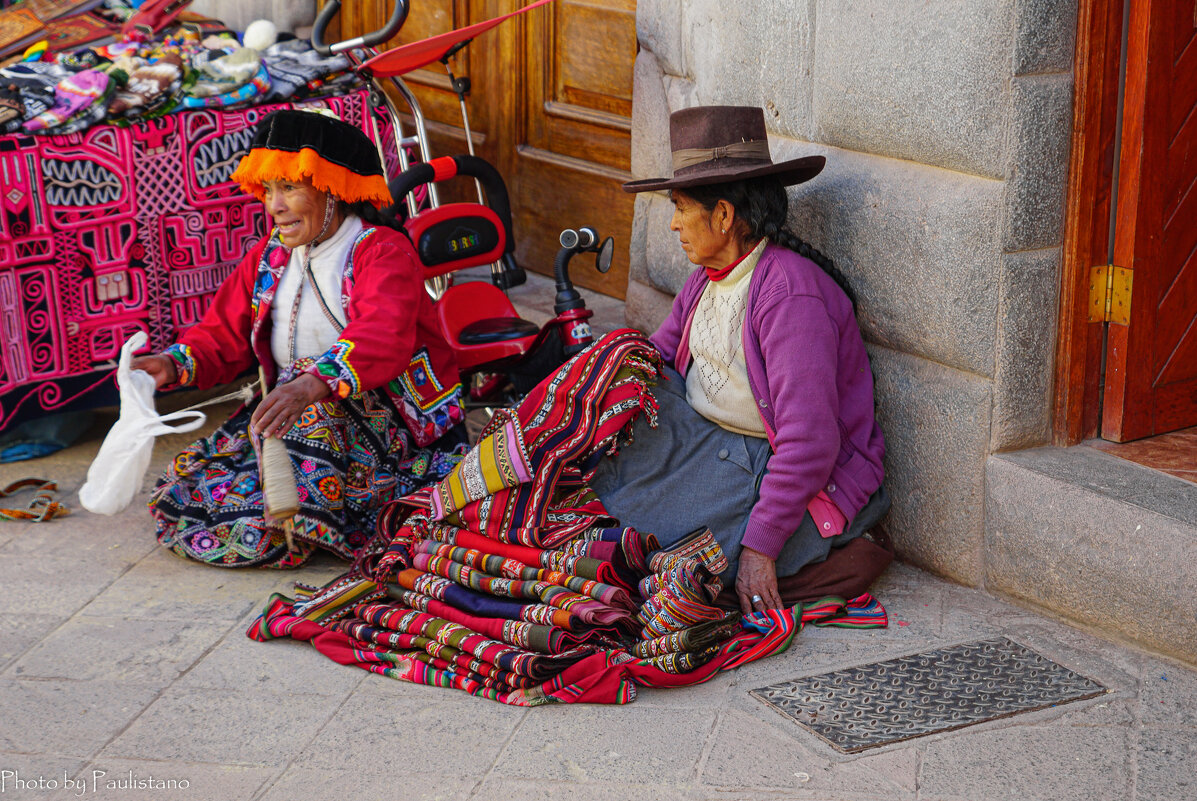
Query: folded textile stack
[[508, 579]]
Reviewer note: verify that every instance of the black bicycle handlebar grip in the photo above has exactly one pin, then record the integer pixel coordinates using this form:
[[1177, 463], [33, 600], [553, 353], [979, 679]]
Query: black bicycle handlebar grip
[[469, 166], [331, 7]]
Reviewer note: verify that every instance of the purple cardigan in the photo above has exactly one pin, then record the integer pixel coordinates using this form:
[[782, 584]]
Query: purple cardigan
[[809, 373]]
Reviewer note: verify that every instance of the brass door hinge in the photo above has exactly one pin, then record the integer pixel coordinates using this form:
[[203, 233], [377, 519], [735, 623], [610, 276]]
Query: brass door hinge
[[1110, 294]]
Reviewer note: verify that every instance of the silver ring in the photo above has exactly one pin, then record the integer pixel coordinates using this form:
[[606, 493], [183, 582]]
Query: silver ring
[[756, 599]]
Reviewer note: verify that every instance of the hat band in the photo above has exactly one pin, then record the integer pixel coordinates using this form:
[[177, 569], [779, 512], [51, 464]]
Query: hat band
[[688, 157]]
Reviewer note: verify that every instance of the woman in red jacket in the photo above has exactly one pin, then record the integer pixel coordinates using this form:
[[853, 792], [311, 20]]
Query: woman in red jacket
[[364, 390]]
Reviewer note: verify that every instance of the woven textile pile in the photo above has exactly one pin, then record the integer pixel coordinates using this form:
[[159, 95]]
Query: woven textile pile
[[508, 580], [190, 65]]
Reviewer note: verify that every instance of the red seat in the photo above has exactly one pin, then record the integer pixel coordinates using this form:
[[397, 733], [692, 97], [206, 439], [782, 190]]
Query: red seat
[[481, 325]]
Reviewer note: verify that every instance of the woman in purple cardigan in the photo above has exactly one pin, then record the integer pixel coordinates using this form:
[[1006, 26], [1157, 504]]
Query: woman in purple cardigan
[[766, 429]]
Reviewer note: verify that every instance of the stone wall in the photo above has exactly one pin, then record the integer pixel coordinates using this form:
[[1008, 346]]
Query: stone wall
[[946, 128], [286, 14]]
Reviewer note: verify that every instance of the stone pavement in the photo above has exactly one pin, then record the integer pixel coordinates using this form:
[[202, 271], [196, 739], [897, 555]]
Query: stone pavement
[[119, 661]]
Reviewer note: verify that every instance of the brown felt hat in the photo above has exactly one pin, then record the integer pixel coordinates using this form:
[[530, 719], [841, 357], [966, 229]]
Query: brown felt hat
[[716, 144]]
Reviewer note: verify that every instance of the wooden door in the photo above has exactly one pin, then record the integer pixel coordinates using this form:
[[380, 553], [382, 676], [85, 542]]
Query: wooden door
[[1151, 364], [550, 107]]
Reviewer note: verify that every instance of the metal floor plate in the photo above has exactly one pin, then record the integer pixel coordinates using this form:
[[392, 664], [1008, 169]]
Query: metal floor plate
[[887, 702]]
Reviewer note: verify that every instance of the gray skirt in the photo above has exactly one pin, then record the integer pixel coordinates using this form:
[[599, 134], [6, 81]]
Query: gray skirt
[[688, 472]]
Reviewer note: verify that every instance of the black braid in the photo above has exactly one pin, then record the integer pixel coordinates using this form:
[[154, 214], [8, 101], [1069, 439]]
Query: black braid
[[762, 206]]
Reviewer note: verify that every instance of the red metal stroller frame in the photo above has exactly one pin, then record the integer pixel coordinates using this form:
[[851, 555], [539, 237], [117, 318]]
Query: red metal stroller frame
[[501, 356]]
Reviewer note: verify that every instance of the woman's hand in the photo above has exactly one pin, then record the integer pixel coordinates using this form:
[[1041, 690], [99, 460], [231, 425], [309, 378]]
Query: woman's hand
[[161, 368], [757, 577], [280, 409]]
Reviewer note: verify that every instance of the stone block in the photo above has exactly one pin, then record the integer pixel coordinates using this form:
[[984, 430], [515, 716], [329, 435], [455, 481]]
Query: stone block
[[63, 586], [439, 732], [616, 747], [67, 718], [1037, 176], [1026, 340], [1027, 762], [647, 307], [1168, 696], [302, 782], [936, 423], [220, 727], [154, 652], [166, 587], [203, 782], [1088, 556], [638, 242], [927, 82], [18, 633], [239, 664], [286, 14], [666, 262], [1167, 765], [919, 245], [790, 759], [660, 30], [1102, 474], [586, 791], [1044, 35], [650, 119], [35, 768], [746, 54]]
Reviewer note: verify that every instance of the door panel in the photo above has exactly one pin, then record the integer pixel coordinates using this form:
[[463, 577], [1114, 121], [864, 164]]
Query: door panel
[[575, 109], [551, 108], [1151, 372]]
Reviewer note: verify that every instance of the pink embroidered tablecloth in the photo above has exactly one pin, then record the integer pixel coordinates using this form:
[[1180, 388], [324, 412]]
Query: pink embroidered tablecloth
[[115, 230]]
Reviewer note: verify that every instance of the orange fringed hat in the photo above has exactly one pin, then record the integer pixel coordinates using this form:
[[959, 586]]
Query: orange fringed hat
[[292, 145]]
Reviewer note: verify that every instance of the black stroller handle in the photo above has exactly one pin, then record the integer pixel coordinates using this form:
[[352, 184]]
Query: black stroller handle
[[331, 7], [446, 167]]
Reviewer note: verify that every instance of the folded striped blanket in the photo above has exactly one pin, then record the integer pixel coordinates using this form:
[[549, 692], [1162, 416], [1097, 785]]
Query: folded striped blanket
[[508, 579]]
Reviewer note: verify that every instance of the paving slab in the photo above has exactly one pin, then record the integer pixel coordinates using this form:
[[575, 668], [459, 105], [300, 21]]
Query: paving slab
[[1027, 763], [67, 718], [240, 664], [122, 649], [166, 587], [122, 779], [306, 783], [439, 735], [1167, 765], [24, 776], [51, 585], [750, 750], [256, 728], [544, 790], [620, 743], [19, 633]]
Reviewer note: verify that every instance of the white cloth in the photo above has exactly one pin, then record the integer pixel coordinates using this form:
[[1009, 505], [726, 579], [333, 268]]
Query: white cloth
[[717, 380], [314, 334], [116, 474]]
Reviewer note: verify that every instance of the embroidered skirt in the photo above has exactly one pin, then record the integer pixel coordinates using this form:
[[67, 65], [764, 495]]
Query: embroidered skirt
[[349, 458]]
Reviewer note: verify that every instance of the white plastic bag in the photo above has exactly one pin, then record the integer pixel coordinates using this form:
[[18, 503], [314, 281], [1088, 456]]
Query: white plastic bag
[[119, 468]]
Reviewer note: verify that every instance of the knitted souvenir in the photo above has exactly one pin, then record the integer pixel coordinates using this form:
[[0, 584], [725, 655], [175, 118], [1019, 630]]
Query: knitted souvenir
[[257, 87], [12, 109], [147, 83], [34, 83], [294, 65], [338, 158], [224, 73], [87, 116], [72, 95]]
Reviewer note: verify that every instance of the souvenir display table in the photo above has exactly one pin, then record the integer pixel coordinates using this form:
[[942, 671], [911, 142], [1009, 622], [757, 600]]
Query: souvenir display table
[[115, 230]]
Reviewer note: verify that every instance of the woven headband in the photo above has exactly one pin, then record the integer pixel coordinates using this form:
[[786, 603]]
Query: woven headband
[[688, 157]]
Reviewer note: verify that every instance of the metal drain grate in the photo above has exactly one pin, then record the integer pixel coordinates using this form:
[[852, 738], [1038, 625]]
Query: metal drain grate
[[886, 702]]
